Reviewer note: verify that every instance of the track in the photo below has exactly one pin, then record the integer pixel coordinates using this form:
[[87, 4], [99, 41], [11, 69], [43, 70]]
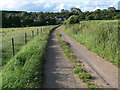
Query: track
[[105, 74], [58, 70]]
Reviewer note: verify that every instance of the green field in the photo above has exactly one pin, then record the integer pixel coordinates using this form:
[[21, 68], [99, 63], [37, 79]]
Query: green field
[[19, 40], [100, 37], [25, 69]]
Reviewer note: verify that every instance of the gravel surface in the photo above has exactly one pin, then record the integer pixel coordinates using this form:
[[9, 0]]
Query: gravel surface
[[105, 74], [58, 70]]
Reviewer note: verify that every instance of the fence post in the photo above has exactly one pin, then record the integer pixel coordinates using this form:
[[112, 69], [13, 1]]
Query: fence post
[[37, 32], [41, 30], [25, 38], [13, 49], [33, 34]]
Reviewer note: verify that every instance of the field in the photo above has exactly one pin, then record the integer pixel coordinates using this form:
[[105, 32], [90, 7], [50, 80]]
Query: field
[[25, 69], [100, 37], [19, 40]]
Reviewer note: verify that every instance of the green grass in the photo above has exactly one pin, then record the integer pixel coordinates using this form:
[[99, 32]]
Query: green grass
[[100, 37], [18, 35], [78, 69], [25, 69], [82, 74]]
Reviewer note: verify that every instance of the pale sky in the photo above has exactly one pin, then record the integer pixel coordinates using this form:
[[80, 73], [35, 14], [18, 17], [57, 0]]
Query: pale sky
[[56, 5]]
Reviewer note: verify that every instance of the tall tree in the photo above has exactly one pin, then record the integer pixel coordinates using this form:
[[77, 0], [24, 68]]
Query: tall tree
[[111, 8]]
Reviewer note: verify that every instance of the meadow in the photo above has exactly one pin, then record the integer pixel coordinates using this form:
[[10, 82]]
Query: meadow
[[19, 40], [99, 36], [25, 69]]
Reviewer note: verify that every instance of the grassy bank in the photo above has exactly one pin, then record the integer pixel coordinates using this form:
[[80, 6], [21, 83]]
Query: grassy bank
[[19, 40], [100, 37], [79, 70], [25, 69]]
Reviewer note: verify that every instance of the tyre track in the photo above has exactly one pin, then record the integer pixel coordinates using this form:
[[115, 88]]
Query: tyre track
[[58, 70], [106, 74]]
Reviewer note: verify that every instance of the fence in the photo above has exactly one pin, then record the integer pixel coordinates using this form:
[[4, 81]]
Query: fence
[[25, 39]]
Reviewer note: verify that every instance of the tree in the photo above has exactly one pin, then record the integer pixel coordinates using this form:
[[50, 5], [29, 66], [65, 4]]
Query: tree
[[51, 21], [98, 11], [64, 11], [117, 17], [16, 21], [81, 16], [111, 8], [72, 20], [41, 19], [27, 22], [90, 17], [75, 9]]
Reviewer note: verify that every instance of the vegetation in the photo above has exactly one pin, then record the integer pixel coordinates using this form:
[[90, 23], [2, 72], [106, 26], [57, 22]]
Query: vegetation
[[19, 39], [72, 20], [82, 74], [100, 37], [25, 69], [23, 19]]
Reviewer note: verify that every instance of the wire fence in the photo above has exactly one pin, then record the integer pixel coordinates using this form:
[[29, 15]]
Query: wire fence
[[14, 40]]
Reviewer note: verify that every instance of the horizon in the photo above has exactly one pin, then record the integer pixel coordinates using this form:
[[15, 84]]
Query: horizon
[[55, 5]]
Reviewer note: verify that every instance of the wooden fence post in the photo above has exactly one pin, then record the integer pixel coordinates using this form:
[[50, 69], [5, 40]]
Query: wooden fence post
[[25, 38], [33, 34], [37, 32], [13, 49], [41, 30]]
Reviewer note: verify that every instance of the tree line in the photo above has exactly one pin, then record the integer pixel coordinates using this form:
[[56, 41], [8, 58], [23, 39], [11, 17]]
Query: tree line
[[24, 19]]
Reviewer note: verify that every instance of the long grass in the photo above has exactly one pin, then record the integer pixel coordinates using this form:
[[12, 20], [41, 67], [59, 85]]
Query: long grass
[[100, 37], [25, 69], [19, 40]]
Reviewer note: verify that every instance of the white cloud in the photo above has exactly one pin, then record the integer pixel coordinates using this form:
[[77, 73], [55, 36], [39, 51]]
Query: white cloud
[[9, 4], [59, 7], [47, 5], [56, 5], [115, 4], [96, 8]]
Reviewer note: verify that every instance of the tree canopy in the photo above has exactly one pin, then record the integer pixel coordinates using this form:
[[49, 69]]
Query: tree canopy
[[23, 19]]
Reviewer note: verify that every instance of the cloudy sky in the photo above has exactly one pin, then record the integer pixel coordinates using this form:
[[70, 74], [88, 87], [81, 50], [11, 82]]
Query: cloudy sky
[[56, 5]]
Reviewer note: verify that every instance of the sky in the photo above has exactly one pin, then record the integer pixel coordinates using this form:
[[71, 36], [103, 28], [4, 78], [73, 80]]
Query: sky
[[56, 5]]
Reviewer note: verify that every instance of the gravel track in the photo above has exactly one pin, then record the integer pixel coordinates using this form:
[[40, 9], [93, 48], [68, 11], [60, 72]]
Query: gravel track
[[58, 70], [105, 74]]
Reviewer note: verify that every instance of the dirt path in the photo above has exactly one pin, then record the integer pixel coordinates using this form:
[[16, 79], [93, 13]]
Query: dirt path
[[58, 70], [105, 74]]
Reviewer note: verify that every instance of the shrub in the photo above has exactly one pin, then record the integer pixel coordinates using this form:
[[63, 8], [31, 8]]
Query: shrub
[[72, 20]]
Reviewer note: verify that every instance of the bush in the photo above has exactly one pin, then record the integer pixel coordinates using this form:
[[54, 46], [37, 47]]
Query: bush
[[72, 20]]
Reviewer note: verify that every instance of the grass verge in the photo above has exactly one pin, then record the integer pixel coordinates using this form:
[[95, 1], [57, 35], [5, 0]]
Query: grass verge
[[25, 69], [82, 74], [19, 39], [99, 36]]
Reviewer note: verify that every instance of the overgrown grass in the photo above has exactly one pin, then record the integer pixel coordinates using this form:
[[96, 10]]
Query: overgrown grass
[[100, 37], [82, 74], [18, 35], [25, 69]]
